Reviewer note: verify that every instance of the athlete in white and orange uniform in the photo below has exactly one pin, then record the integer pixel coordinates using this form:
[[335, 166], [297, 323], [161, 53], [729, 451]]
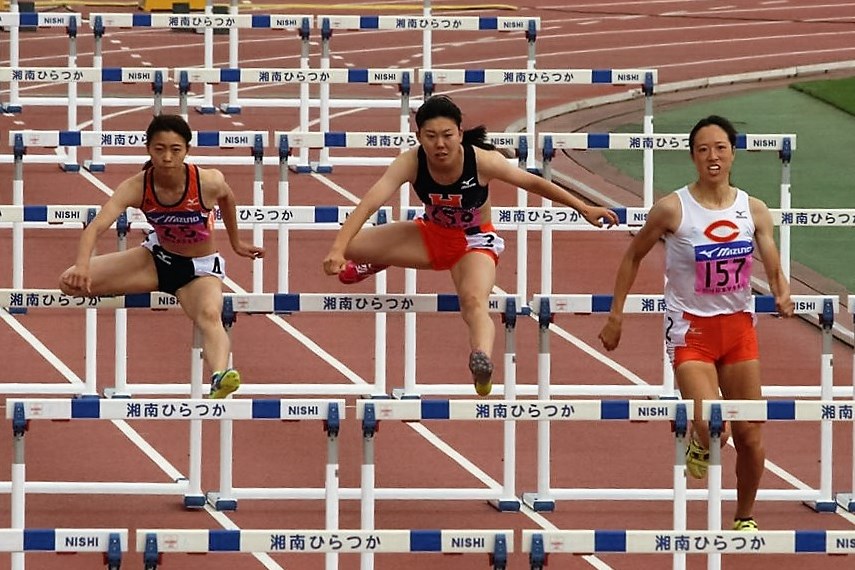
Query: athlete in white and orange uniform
[[711, 230]]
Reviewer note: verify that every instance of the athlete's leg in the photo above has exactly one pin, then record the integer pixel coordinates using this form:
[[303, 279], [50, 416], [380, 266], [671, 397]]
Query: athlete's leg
[[474, 276], [121, 272], [741, 381], [202, 301], [399, 244]]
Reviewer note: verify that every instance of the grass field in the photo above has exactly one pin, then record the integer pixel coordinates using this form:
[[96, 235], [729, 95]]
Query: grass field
[[823, 164]]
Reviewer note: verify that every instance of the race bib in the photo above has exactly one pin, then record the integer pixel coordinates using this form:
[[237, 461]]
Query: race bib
[[723, 267]]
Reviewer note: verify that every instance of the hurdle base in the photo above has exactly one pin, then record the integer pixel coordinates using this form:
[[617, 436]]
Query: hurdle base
[[16, 109], [16, 310], [112, 393], [194, 501], [94, 166], [206, 110], [506, 505], [302, 168], [821, 506], [536, 171], [399, 394], [69, 167], [221, 503], [538, 504], [323, 168], [846, 501], [230, 109]]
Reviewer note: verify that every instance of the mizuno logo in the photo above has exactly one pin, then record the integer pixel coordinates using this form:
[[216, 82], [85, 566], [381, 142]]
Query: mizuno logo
[[466, 184]]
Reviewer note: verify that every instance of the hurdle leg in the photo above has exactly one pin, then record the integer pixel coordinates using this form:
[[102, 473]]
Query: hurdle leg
[[680, 495], [509, 500], [71, 163], [714, 482], [194, 498], [367, 481], [18, 499], [332, 482], [207, 107], [14, 104], [847, 500], [826, 502], [232, 107]]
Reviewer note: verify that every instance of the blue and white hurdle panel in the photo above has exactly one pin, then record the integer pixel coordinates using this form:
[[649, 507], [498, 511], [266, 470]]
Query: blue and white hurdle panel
[[270, 77], [72, 76], [718, 412], [195, 411], [543, 545], [154, 543], [546, 306], [20, 541], [14, 21], [208, 22]]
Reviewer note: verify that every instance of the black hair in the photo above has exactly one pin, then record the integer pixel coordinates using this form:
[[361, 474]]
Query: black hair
[[167, 124], [717, 121], [443, 106]]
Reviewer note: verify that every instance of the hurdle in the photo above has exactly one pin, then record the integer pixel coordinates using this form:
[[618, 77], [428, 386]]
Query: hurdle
[[19, 541], [232, 21], [14, 20], [299, 76], [717, 411], [541, 545], [153, 543], [545, 307], [847, 500]]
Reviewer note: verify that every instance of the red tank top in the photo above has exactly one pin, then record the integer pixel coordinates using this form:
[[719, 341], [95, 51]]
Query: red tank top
[[188, 221]]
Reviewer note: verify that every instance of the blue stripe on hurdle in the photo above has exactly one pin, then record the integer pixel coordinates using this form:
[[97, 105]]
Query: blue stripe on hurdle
[[614, 410], [230, 75], [260, 20], [208, 138], [266, 409], [425, 541], [621, 214], [781, 410], [485, 23], [326, 214], [369, 22], [764, 304], [435, 410], [598, 140], [601, 76], [601, 303], [86, 408], [335, 139], [69, 138], [35, 213], [447, 303], [474, 76], [810, 541], [111, 74], [224, 541], [141, 21], [609, 541], [40, 539], [29, 19], [741, 141], [138, 300], [286, 302], [357, 76]]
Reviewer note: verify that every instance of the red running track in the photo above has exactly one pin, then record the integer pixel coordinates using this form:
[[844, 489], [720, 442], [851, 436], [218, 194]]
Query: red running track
[[684, 40]]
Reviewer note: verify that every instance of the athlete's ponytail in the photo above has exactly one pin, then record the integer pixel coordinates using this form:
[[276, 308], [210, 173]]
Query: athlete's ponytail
[[148, 164], [477, 136]]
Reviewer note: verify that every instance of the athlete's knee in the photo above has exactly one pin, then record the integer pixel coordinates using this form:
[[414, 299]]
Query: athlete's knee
[[472, 303], [747, 436]]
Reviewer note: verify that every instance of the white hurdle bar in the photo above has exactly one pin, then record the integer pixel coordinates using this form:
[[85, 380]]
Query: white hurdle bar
[[233, 22], [153, 543], [19, 541], [542, 544], [14, 21], [546, 306], [717, 412]]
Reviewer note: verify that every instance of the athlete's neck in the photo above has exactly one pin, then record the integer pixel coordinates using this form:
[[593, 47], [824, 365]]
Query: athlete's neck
[[714, 196]]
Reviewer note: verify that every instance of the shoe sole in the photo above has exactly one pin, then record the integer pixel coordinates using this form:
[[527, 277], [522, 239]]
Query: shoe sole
[[482, 373], [229, 383]]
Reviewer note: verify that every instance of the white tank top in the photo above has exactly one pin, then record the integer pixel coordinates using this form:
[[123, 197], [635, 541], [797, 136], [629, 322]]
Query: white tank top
[[708, 259]]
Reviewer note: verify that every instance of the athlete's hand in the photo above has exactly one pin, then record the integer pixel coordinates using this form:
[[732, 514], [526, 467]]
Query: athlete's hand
[[784, 305], [610, 334], [596, 215], [249, 250], [334, 262], [76, 280]]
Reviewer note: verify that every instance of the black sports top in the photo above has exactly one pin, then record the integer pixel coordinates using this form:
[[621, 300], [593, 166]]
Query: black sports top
[[455, 205]]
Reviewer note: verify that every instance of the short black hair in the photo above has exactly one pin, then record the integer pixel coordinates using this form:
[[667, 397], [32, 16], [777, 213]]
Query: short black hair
[[168, 124], [718, 121]]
